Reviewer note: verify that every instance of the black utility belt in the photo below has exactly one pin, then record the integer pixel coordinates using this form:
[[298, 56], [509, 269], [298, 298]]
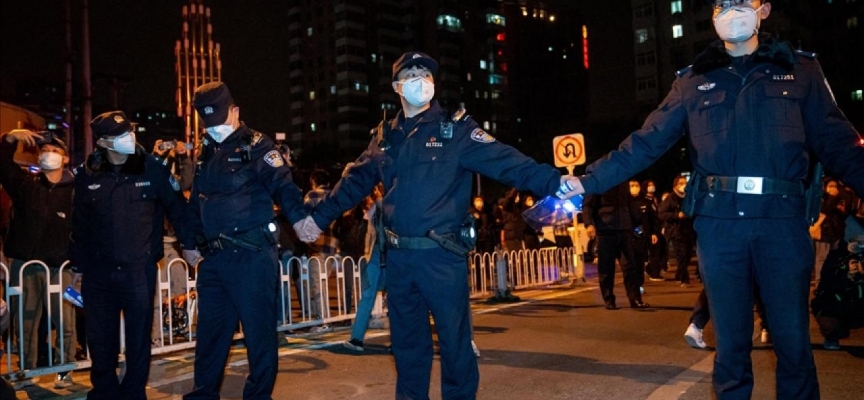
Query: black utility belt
[[751, 185], [414, 243], [254, 239]]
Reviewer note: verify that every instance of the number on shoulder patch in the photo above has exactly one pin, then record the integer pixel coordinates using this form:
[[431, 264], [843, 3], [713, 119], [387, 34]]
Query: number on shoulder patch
[[479, 135], [274, 159]]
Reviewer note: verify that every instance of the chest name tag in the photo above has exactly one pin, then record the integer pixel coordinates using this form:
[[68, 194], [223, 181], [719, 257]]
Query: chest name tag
[[142, 184], [479, 135], [706, 86], [234, 159], [434, 143], [784, 78]]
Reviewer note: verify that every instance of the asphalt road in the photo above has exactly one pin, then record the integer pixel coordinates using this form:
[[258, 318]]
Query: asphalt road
[[559, 343]]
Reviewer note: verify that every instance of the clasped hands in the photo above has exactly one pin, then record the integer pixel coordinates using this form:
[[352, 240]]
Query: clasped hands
[[307, 230]]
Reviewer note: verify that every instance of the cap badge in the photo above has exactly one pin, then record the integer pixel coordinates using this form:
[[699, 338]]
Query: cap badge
[[94, 186], [118, 119], [208, 110], [707, 86], [416, 56]]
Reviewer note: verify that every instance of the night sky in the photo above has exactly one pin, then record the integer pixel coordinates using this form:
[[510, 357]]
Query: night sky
[[135, 40]]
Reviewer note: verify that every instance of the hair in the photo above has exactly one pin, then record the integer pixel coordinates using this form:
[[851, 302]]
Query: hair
[[319, 177], [677, 178]]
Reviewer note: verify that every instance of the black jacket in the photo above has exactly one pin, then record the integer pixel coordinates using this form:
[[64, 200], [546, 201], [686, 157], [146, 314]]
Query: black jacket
[[41, 212], [609, 211], [117, 220], [675, 226], [764, 122]]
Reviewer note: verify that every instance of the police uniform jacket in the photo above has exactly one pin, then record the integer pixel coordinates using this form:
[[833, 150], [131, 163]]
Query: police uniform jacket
[[427, 177], [41, 212], [118, 213], [761, 122], [236, 183]]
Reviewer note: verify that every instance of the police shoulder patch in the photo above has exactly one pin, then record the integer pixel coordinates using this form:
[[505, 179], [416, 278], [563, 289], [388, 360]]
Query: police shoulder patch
[[479, 135], [274, 159], [174, 184]]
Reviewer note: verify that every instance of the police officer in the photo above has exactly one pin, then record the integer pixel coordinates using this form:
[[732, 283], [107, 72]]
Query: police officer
[[426, 159], [122, 195], [240, 174], [754, 111]]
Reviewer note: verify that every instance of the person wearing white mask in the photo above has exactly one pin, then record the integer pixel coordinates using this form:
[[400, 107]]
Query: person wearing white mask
[[241, 174], [122, 195], [39, 230], [756, 112], [426, 159]]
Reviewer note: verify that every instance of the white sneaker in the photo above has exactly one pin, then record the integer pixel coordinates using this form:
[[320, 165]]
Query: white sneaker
[[693, 337], [320, 329], [475, 348], [766, 337], [63, 381]]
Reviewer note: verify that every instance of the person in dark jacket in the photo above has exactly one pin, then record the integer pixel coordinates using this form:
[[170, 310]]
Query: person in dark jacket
[[239, 177], [754, 110], [657, 251], [39, 230], [679, 229], [608, 217], [426, 159], [122, 195]]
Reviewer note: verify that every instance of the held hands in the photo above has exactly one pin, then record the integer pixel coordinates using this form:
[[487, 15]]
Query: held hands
[[192, 257], [307, 230], [570, 186], [23, 135]]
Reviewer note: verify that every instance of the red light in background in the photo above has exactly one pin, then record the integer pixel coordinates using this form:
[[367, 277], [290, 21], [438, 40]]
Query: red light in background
[[585, 46], [500, 37], [500, 52], [504, 68]]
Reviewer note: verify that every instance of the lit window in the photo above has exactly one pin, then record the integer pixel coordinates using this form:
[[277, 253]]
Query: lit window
[[495, 79], [641, 35], [676, 6], [482, 64], [469, 77], [333, 89], [500, 37], [356, 85], [852, 22], [677, 31], [312, 95], [524, 11], [312, 127], [495, 19], [374, 57], [449, 22], [564, 56], [486, 125], [550, 48], [309, 31], [551, 18], [858, 95]]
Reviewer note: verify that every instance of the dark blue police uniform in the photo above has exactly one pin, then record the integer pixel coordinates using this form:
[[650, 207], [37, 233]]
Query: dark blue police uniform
[[117, 228], [427, 183], [752, 123], [231, 209]]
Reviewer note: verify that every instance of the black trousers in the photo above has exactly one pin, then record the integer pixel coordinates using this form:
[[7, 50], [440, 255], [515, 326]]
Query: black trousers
[[131, 292], [657, 257], [237, 285], [620, 245]]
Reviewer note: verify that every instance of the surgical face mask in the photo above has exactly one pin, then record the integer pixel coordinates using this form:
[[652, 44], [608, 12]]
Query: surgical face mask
[[49, 161], [737, 24], [124, 144], [418, 91], [220, 132]]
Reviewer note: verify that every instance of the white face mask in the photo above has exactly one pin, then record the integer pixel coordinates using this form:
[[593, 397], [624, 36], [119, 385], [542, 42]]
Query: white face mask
[[737, 24], [220, 132], [418, 91], [49, 161], [124, 144]]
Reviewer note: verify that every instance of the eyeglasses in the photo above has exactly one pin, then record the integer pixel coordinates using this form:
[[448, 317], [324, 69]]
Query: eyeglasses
[[723, 5]]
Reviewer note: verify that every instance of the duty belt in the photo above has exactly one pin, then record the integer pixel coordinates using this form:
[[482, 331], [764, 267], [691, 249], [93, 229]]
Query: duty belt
[[751, 185], [402, 242]]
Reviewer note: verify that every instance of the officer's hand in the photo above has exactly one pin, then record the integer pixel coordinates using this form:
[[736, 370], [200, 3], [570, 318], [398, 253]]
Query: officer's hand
[[681, 215], [307, 230], [23, 135], [192, 257], [180, 148], [589, 230], [654, 239], [570, 186]]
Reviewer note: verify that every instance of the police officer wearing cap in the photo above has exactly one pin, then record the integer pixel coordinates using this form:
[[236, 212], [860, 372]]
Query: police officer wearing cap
[[426, 160], [239, 176], [756, 112], [39, 230], [122, 195]]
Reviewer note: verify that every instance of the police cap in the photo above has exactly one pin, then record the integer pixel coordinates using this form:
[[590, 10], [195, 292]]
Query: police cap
[[413, 58], [111, 123], [212, 101]]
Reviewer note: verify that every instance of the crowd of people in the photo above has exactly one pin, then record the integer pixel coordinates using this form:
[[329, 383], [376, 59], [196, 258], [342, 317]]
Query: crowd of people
[[743, 210]]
